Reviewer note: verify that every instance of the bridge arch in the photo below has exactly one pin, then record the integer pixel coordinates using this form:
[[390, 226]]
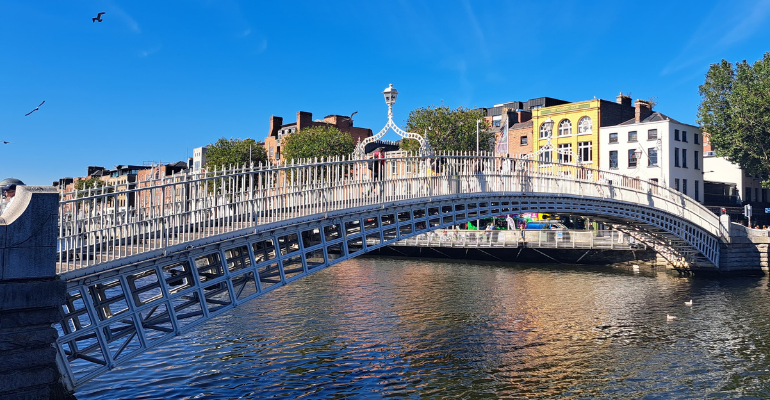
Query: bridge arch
[[114, 313]]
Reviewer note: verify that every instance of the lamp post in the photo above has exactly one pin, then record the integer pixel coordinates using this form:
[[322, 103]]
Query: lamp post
[[391, 94], [477, 136], [390, 98]]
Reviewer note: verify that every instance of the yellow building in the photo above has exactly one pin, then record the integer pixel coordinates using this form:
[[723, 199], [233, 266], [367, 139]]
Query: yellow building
[[574, 132]]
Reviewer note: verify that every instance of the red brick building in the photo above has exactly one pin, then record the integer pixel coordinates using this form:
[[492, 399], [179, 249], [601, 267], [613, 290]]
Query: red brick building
[[279, 130]]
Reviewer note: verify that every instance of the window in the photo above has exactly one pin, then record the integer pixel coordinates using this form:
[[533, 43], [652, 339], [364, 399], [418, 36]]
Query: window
[[544, 131], [697, 190], [613, 137], [684, 186], [676, 134], [496, 122], [676, 184], [696, 138], [393, 169], [684, 136], [565, 153], [613, 159], [565, 127], [631, 158], [748, 195], [676, 156], [652, 134], [632, 136], [695, 159], [684, 158], [585, 152], [584, 125], [545, 156], [523, 140], [652, 157]]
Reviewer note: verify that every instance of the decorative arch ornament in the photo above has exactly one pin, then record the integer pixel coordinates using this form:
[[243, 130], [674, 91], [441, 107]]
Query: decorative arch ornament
[[390, 99]]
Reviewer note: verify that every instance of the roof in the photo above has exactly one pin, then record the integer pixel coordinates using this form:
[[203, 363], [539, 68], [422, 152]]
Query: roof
[[654, 117]]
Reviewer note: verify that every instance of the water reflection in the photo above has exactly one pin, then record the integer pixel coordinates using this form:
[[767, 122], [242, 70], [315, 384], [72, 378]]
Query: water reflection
[[406, 328]]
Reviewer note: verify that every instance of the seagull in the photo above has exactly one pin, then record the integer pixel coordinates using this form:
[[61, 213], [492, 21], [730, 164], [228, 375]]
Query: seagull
[[98, 17], [4, 142], [688, 303], [36, 108], [670, 317]]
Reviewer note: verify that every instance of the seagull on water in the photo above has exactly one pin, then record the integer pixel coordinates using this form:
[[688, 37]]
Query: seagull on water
[[670, 317], [688, 303]]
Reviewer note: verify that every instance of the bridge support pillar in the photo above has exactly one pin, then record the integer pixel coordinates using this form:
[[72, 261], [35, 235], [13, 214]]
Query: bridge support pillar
[[30, 296]]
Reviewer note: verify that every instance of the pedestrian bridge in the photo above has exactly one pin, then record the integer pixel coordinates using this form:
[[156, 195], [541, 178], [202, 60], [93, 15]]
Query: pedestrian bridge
[[147, 261]]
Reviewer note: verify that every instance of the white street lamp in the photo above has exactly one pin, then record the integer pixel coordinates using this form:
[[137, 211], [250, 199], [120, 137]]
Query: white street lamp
[[390, 98], [391, 94]]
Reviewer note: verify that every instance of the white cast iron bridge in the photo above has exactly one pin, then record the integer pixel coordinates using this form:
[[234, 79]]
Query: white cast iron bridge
[[147, 261]]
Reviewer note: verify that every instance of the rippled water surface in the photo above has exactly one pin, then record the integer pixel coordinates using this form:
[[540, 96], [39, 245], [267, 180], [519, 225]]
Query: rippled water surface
[[433, 329]]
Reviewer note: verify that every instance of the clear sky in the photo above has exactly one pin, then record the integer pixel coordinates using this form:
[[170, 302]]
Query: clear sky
[[156, 79]]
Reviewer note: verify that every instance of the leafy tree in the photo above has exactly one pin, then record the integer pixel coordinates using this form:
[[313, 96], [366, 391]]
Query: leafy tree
[[448, 130], [235, 152], [735, 113], [90, 183], [317, 141]]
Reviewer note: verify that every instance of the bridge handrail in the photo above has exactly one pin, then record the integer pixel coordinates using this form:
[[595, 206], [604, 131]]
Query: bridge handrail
[[116, 221]]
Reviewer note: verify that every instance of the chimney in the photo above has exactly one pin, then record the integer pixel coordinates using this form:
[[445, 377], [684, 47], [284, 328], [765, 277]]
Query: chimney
[[275, 125], [304, 120], [623, 99], [643, 110]]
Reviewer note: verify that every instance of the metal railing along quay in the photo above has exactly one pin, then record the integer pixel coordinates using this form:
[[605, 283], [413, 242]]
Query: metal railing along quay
[[534, 238]]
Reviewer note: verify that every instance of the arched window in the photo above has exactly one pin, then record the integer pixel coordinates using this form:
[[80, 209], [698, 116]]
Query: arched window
[[585, 125], [565, 127], [545, 132]]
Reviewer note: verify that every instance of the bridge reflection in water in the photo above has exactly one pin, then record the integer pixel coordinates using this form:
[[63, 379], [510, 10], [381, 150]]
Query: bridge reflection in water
[[146, 262]]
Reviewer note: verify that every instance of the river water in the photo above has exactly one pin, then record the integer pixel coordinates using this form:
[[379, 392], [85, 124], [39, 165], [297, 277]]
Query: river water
[[379, 327]]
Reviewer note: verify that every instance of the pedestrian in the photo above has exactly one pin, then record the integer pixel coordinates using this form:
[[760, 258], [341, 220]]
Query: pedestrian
[[488, 232], [8, 192]]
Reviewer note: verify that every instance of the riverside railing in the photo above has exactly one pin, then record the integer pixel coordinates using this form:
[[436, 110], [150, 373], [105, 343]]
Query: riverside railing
[[114, 222], [533, 238]]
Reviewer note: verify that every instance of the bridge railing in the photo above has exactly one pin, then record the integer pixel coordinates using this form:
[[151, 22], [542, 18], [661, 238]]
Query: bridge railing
[[114, 222]]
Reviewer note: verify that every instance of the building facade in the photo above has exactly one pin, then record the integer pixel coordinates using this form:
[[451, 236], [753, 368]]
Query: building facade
[[655, 147], [574, 133], [279, 130]]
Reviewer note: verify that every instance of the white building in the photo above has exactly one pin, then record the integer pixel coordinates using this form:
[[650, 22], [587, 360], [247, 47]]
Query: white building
[[655, 147], [199, 158], [737, 187]]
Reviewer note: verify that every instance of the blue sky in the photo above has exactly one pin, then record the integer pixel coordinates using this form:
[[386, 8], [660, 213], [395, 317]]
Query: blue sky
[[159, 78]]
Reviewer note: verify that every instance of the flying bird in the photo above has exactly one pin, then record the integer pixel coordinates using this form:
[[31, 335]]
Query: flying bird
[[4, 142], [36, 108], [98, 17]]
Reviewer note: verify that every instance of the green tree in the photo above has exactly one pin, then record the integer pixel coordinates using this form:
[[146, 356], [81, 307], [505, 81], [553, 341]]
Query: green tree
[[90, 183], [735, 113], [235, 152], [448, 130], [317, 141]]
